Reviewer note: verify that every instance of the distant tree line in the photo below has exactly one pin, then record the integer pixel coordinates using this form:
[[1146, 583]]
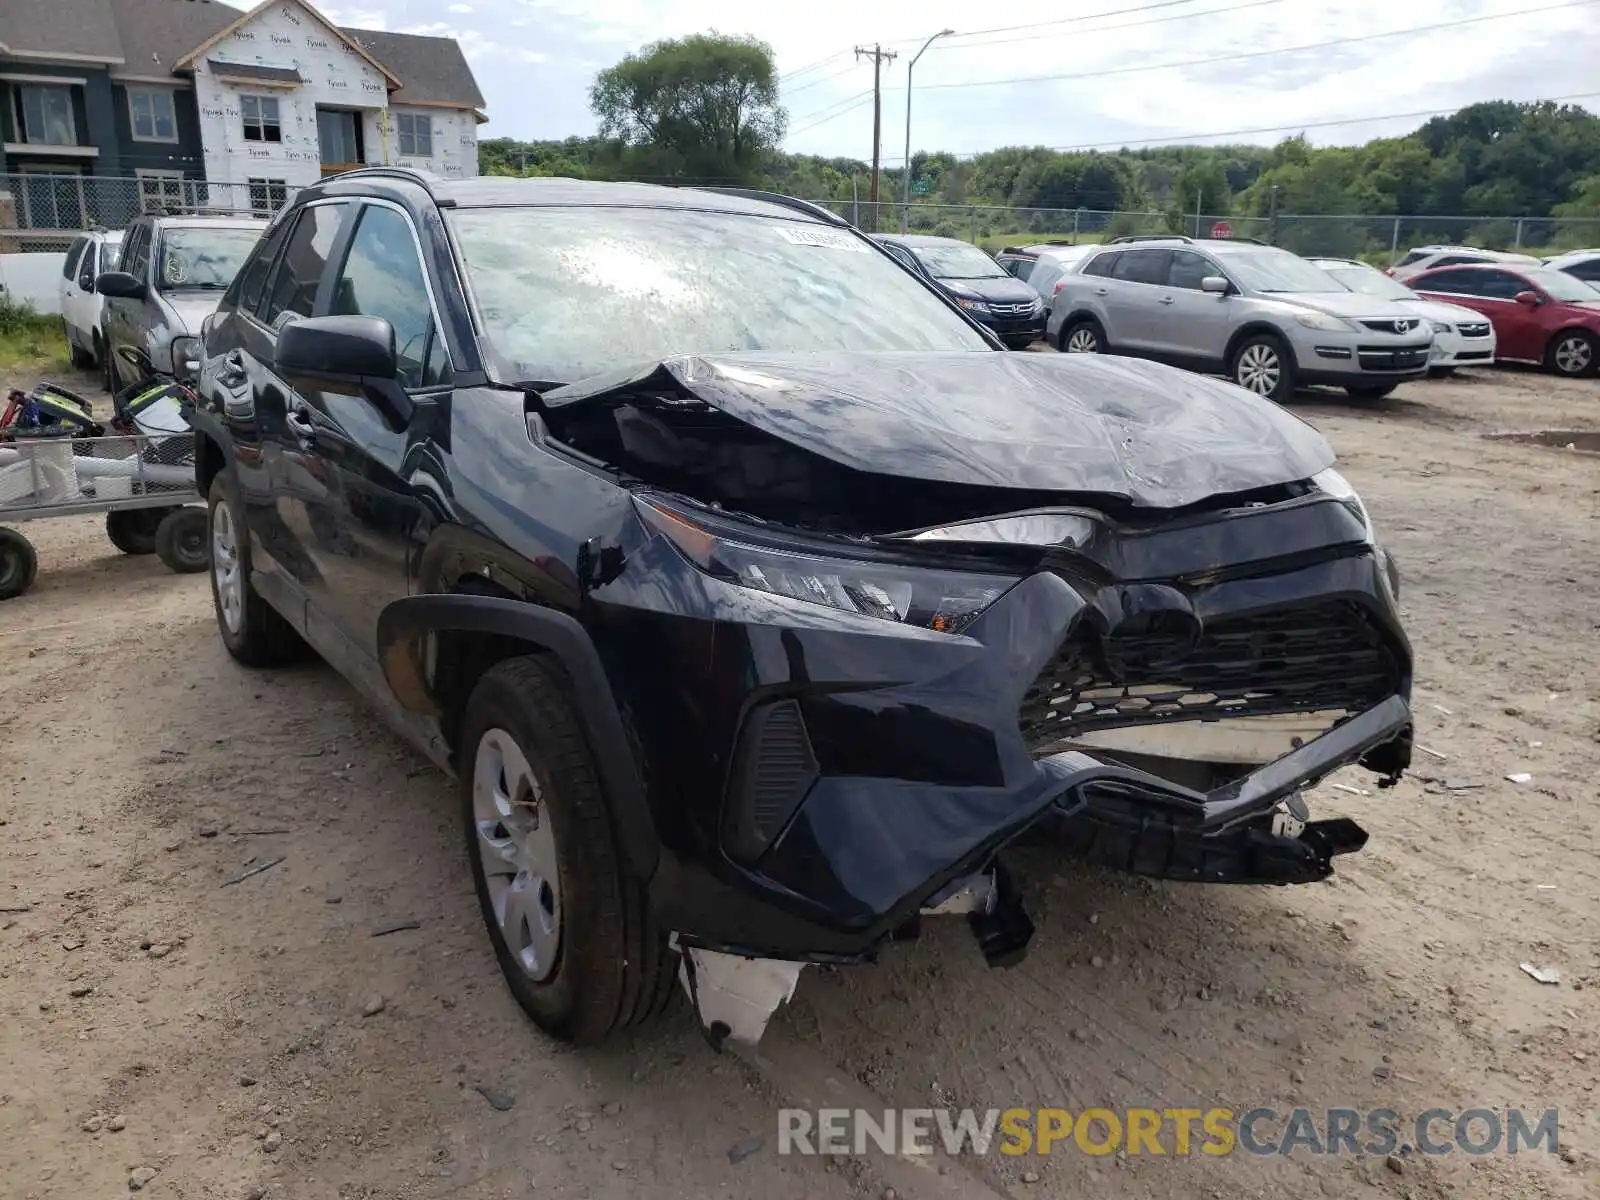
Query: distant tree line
[[704, 110]]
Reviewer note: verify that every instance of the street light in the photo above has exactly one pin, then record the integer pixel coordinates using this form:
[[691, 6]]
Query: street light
[[905, 209]]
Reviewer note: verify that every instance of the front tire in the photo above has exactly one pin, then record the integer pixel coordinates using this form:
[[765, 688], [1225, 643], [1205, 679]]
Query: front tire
[[1083, 336], [1262, 364], [254, 632], [1572, 354], [574, 937], [79, 356], [19, 564]]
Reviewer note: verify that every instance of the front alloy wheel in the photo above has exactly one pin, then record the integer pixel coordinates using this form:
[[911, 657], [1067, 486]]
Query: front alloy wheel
[[225, 569], [1260, 369], [517, 847]]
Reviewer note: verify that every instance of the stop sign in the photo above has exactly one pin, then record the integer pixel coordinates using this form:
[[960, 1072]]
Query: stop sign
[[1222, 230]]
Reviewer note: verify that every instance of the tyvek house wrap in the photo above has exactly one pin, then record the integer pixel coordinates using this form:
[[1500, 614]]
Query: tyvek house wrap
[[1150, 435]]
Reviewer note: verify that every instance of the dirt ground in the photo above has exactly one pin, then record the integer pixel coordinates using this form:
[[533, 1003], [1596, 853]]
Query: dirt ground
[[259, 1037]]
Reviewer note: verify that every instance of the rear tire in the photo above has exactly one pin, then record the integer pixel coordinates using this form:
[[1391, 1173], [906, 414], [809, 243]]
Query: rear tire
[[133, 530], [79, 356], [19, 564], [1262, 364], [574, 936], [183, 540], [1572, 353], [1083, 336], [254, 632]]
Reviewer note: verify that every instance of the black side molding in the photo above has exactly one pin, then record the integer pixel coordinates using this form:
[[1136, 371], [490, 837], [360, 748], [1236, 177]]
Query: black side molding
[[401, 626]]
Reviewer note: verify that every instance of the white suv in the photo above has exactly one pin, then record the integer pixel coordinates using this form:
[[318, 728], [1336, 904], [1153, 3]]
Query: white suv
[[1424, 258], [81, 305]]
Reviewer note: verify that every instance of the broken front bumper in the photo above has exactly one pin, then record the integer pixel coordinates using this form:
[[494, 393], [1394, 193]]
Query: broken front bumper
[[858, 766]]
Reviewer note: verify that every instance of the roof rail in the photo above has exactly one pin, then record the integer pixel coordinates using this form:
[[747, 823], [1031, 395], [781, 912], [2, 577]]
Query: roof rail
[[1232, 238], [410, 174], [1149, 237], [794, 202], [1013, 250]]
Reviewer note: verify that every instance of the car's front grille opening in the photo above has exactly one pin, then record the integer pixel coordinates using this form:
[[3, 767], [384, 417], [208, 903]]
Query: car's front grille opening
[[1327, 661]]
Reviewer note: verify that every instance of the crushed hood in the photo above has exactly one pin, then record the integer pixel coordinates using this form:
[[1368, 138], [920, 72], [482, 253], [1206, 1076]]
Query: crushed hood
[[1151, 435]]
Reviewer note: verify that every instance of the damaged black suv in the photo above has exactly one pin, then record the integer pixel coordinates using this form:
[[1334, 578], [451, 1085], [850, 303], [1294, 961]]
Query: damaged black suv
[[756, 599]]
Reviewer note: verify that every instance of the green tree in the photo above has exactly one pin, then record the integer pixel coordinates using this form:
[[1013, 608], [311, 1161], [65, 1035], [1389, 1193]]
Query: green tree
[[703, 107]]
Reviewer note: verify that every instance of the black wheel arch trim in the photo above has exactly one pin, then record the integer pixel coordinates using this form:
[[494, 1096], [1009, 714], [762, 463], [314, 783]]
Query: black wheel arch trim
[[401, 626], [1254, 329]]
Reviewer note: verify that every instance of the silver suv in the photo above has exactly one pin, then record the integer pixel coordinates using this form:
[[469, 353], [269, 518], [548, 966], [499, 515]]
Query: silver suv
[[1268, 319]]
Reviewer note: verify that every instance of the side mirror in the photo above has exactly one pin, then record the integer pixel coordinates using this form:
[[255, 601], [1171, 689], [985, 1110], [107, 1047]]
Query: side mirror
[[354, 355], [119, 284], [1531, 299], [1216, 284]]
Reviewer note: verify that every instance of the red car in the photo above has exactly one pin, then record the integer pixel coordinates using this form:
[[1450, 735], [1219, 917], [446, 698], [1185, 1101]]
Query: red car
[[1540, 315]]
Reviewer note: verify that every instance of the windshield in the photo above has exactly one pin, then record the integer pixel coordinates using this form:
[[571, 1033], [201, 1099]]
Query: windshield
[[958, 260], [566, 293], [1371, 283], [202, 258], [1273, 270], [1561, 286]]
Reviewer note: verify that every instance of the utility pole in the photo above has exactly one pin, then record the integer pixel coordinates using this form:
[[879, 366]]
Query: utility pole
[[879, 56]]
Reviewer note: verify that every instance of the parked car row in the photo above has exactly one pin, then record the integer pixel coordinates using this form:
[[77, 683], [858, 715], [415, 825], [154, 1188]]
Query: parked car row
[[148, 288], [755, 597]]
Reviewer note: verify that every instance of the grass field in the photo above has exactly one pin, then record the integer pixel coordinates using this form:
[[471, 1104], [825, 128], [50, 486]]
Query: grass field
[[30, 341]]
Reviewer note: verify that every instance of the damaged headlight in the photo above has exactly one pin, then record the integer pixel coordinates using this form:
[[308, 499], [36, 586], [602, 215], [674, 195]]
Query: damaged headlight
[[942, 600], [1333, 484]]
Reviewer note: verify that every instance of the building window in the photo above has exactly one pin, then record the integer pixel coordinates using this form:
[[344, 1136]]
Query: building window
[[416, 134], [44, 114], [267, 196], [260, 115], [338, 137], [150, 112], [160, 191]]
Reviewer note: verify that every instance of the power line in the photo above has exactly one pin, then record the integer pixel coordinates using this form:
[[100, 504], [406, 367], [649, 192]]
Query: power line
[[1116, 12], [1189, 16], [1173, 139], [811, 83], [1253, 54], [849, 104]]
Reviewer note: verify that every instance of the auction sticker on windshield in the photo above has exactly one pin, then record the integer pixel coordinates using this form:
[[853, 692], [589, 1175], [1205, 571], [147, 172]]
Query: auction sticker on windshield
[[825, 238]]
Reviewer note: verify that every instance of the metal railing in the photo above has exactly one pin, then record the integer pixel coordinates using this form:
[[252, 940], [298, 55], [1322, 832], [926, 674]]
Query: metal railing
[[43, 210]]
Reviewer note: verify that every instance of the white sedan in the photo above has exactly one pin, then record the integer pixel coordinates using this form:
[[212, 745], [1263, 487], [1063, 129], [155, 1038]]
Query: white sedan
[[1461, 337]]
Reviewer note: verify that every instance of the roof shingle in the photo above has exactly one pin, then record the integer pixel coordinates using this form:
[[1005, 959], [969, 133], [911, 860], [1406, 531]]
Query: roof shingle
[[81, 27], [431, 70]]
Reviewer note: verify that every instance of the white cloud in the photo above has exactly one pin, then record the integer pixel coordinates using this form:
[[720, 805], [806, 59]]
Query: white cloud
[[1544, 54], [460, 8]]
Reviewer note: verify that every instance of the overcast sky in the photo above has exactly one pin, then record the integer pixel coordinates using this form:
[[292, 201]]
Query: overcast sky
[[535, 60]]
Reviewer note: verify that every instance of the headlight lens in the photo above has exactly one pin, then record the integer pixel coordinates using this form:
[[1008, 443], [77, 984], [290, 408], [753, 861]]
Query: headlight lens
[[973, 306], [1337, 486], [946, 601], [1441, 327], [1318, 320], [186, 358]]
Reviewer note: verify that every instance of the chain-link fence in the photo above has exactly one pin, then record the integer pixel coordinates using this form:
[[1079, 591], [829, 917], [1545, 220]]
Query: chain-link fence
[[1377, 239], [44, 210]]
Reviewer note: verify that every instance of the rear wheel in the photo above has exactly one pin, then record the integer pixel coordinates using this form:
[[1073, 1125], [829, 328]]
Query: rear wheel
[[1084, 336], [254, 632], [133, 531], [1571, 353], [573, 935], [18, 564], [1261, 364], [181, 540], [80, 357]]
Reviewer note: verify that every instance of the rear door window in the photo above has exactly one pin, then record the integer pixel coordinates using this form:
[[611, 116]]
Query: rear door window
[[1456, 283], [1143, 266], [1102, 264]]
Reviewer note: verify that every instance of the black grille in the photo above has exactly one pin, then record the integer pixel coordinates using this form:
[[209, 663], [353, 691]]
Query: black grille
[[1472, 329], [1008, 309], [1318, 658], [1381, 358]]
